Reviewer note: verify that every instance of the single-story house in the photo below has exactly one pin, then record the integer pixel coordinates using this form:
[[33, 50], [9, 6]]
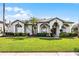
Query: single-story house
[[53, 25]]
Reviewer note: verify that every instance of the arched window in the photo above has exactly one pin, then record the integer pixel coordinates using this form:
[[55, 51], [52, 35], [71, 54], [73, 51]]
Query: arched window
[[65, 24], [63, 28], [44, 28], [18, 25], [18, 28]]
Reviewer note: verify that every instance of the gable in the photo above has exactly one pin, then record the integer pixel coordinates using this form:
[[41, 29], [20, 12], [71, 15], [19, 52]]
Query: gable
[[56, 18], [17, 21]]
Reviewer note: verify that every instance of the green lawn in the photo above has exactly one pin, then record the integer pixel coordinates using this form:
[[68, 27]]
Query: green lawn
[[38, 44]]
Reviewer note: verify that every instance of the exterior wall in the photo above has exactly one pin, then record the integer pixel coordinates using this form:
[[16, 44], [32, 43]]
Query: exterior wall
[[13, 26], [1, 27], [38, 27], [68, 29], [29, 29], [56, 20]]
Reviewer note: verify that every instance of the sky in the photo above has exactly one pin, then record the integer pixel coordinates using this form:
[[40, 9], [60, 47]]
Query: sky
[[23, 11]]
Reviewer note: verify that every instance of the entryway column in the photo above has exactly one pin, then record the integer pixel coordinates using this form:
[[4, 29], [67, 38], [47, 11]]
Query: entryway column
[[38, 28], [57, 32]]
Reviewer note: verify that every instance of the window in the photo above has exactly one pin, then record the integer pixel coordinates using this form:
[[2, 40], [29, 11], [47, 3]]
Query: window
[[18, 25], [63, 28], [18, 28]]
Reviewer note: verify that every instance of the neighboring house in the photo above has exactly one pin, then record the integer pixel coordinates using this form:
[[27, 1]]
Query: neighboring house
[[54, 25]]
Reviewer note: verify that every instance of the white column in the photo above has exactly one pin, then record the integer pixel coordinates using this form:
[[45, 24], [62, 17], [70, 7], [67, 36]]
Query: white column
[[57, 32], [50, 26], [38, 28]]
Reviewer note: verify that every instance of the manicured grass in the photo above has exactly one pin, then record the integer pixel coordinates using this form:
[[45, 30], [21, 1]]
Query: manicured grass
[[38, 44]]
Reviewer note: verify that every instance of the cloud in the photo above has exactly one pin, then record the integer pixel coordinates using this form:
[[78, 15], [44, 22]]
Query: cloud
[[15, 9], [18, 13], [8, 9]]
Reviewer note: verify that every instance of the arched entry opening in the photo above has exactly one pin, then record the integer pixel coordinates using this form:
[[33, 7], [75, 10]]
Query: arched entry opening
[[54, 29], [64, 28], [44, 29], [18, 28]]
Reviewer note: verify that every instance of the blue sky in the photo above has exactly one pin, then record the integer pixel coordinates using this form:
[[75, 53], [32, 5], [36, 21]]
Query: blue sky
[[69, 12]]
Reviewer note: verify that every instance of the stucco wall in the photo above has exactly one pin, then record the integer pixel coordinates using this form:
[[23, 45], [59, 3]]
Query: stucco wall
[[13, 26], [68, 29], [1, 26], [60, 23], [29, 29]]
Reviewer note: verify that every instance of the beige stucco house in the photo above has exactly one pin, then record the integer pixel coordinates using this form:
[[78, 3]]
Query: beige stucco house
[[43, 25]]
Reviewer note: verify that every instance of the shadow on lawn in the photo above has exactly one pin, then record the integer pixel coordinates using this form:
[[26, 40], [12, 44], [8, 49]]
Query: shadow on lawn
[[46, 38], [16, 38], [52, 38], [69, 37]]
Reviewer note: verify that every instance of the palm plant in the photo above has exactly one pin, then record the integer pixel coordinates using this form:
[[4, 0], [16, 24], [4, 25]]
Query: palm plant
[[33, 21]]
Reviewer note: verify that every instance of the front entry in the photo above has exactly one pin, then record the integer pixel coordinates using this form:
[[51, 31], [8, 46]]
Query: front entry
[[53, 32], [54, 29]]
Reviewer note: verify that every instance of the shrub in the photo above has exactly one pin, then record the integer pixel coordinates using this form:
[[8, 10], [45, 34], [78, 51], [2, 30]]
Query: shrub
[[64, 34], [42, 34], [15, 34], [9, 34], [52, 35], [72, 34], [20, 34]]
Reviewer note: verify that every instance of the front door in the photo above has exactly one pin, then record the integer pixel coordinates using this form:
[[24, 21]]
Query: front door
[[53, 31]]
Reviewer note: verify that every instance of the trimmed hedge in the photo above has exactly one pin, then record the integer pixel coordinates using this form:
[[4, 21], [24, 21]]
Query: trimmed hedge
[[15, 34], [64, 34], [73, 34], [19, 34], [42, 34], [9, 34]]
